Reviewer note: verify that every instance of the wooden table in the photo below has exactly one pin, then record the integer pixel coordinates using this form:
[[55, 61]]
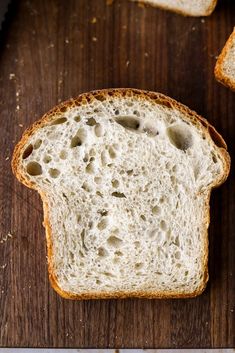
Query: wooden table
[[52, 50]]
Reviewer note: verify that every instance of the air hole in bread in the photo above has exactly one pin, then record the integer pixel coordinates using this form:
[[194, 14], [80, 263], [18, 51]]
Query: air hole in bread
[[98, 281], [54, 173], [139, 265], [75, 141], [163, 225], [115, 183], [59, 121], [79, 217], [86, 187], [102, 224], [114, 241], [81, 253], [99, 193], [156, 210], [34, 169], [128, 122], [77, 118], [98, 180], [103, 213], [180, 137], [118, 194], [37, 144], [177, 255], [118, 253], [63, 154], [214, 158], [173, 179], [83, 240], [91, 122], [27, 151], [135, 112], [47, 159], [102, 252], [90, 168], [98, 130], [129, 172], [137, 244], [150, 131], [107, 274], [112, 152], [177, 241], [116, 112]]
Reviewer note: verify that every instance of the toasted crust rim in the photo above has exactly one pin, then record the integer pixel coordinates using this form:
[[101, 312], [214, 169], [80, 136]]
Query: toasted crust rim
[[208, 12], [219, 73], [84, 99]]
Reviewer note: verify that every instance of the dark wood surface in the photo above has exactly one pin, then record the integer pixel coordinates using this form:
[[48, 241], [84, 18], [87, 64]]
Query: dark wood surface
[[52, 50]]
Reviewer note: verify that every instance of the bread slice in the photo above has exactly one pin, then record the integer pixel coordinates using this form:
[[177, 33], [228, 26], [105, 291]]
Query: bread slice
[[185, 7], [225, 65], [125, 177]]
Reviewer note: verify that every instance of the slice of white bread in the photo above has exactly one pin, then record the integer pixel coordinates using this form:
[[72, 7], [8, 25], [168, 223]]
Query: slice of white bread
[[225, 65], [185, 7], [125, 177]]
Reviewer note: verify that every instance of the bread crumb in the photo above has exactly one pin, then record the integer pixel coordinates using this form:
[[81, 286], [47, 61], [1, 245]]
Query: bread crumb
[[193, 28], [12, 76], [93, 20], [21, 125], [6, 237], [66, 41], [94, 39], [17, 107], [127, 63], [3, 266], [7, 158], [202, 20], [17, 94], [51, 45], [146, 55], [124, 27]]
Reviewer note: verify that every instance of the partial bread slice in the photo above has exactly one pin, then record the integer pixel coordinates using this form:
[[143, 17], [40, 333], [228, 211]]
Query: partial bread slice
[[125, 177], [225, 65], [185, 7]]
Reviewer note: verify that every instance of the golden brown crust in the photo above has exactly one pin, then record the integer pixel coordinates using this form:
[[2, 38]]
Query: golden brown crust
[[86, 98], [207, 12], [219, 72]]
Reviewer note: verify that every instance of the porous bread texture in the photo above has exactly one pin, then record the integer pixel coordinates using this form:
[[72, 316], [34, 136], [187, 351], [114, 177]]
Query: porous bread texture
[[125, 176], [225, 65], [185, 7]]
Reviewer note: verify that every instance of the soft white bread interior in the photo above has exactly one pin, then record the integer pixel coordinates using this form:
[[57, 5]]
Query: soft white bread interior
[[225, 65], [185, 7], [125, 177]]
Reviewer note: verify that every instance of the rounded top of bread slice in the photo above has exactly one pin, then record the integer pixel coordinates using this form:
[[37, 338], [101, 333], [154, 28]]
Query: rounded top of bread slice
[[125, 177]]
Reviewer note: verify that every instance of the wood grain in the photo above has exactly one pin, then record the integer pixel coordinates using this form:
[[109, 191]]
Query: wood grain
[[50, 51]]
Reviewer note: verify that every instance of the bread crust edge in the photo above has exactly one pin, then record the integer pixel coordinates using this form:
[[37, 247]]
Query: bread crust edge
[[219, 73], [86, 98], [208, 12]]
